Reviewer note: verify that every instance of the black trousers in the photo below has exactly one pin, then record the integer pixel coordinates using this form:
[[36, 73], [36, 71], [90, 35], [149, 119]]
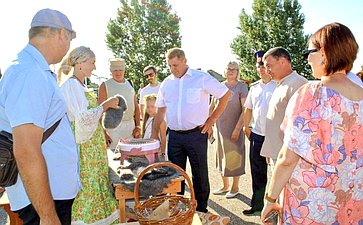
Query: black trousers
[[194, 147], [258, 171], [63, 208]]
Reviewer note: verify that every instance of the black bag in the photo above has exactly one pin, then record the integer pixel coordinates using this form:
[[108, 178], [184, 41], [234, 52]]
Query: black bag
[[8, 169]]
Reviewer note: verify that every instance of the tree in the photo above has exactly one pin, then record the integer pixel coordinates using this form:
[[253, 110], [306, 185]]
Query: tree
[[273, 23], [141, 34]]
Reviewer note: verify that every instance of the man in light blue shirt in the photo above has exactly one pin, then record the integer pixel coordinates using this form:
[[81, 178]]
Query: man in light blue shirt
[[30, 103]]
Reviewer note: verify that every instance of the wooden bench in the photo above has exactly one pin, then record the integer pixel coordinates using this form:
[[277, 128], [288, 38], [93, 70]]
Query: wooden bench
[[14, 218]]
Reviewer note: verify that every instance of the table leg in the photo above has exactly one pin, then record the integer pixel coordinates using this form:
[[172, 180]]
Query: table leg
[[122, 158], [150, 158], [122, 206]]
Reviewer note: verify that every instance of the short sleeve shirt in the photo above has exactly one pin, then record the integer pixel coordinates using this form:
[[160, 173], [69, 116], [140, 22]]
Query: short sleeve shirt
[[29, 94], [187, 98], [257, 100]]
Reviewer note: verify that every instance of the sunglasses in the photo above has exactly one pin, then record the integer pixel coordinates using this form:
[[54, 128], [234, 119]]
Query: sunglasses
[[149, 74], [306, 53]]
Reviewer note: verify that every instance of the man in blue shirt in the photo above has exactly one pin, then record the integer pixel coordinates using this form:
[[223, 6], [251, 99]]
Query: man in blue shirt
[[30, 103]]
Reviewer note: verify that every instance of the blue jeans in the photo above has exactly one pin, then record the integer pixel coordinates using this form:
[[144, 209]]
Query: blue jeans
[[63, 208]]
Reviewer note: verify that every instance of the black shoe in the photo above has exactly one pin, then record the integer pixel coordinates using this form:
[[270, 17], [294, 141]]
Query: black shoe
[[202, 210], [250, 211]]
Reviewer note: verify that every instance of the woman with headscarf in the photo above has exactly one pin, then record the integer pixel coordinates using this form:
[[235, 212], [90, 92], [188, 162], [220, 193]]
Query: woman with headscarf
[[95, 203]]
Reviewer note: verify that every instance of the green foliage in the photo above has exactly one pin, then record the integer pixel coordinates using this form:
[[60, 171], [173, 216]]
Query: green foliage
[[273, 23], [141, 34]]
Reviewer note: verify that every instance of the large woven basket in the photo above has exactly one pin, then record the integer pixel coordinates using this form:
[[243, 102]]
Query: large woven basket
[[176, 218]]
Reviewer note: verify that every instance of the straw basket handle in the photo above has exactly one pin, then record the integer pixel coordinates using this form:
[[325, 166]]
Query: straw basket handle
[[159, 164]]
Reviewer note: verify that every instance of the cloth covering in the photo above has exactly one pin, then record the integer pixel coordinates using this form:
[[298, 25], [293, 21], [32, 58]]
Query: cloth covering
[[151, 184]]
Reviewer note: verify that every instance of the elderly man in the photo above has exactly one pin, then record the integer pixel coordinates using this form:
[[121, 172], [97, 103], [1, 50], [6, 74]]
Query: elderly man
[[119, 85], [31, 102], [184, 98], [278, 65], [256, 107], [152, 88]]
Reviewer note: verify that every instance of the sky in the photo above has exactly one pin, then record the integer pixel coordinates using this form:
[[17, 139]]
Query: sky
[[207, 26]]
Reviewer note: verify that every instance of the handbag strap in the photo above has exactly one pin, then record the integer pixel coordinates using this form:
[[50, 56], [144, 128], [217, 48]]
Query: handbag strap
[[50, 130]]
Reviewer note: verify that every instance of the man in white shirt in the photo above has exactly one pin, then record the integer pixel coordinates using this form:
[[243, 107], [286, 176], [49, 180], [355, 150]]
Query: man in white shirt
[[256, 107], [152, 88], [184, 98]]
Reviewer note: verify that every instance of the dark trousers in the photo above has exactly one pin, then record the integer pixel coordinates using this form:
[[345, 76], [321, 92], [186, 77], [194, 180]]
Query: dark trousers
[[63, 208], [258, 171], [194, 147]]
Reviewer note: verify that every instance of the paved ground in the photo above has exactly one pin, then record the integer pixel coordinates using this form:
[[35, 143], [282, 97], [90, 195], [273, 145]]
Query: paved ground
[[231, 207], [217, 204]]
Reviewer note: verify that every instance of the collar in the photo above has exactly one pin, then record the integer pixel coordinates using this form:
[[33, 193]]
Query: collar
[[286, 78], [157, 84], [189, 72], [37, 56]]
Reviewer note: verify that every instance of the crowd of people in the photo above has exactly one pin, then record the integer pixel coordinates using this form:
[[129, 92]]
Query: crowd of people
[[308, 132]]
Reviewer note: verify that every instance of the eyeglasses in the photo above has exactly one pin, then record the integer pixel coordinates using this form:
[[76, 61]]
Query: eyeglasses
[[306, 53], [231, 69], [149, 74]]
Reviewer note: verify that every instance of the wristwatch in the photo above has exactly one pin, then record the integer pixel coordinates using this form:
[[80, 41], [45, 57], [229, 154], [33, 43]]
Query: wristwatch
[[269, 199]]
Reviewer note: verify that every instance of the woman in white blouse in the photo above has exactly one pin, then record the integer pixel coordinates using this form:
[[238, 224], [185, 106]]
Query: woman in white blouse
[[95, 203]]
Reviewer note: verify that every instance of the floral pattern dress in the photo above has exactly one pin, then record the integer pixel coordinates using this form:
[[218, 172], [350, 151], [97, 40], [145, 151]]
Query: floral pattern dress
[[95, 203], [326, 130]]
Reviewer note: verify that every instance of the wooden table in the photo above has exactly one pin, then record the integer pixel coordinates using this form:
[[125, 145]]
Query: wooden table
[[122, 194], [196, 221]]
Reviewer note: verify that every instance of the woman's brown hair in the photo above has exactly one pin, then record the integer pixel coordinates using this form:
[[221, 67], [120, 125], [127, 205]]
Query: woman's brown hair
[[339, 45]]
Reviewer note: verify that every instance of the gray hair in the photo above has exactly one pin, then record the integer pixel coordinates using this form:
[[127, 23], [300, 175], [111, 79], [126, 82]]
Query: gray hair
[[41, 31], [232, 63]]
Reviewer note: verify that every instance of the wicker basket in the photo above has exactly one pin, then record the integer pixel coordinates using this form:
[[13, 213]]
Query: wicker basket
[[177, 217]]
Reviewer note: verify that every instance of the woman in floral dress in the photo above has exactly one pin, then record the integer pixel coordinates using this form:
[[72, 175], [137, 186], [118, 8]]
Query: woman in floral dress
[[321, 163], [95, 203]]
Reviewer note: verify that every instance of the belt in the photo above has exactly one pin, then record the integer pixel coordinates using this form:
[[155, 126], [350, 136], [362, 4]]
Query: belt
[[186, 131]]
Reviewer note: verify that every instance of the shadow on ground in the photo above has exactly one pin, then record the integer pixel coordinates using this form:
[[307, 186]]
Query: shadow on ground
[[235, 219]]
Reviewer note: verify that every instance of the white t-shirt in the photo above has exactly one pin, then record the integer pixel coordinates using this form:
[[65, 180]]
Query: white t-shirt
[[148, 127], [148, 90]]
